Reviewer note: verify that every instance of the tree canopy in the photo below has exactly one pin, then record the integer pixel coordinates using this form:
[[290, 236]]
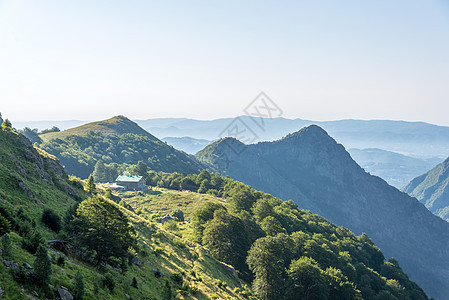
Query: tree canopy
[[100, 225]]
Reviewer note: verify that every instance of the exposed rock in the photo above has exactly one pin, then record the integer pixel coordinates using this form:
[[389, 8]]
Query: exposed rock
[[27, 266], [230, 269], [63, 272], [64, 294], [24, 187], [1, 252], [127, 296], [157, 273], [68, 190], [11, 264], [19, 165], [1, 292], [167, 218], [137, 261]]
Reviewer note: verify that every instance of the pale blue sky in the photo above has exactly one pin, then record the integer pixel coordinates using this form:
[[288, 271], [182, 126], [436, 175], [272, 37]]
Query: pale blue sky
[[319, 60]]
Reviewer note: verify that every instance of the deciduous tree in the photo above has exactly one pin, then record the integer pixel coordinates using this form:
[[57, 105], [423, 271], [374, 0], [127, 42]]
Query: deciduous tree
[[102, 227]]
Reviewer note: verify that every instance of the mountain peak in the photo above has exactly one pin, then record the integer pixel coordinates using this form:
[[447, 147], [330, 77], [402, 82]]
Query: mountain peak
[[312, 131], [115, 125]]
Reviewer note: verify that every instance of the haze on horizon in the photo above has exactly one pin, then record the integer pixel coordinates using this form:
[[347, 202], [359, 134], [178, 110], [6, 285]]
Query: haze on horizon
[[91, 60]]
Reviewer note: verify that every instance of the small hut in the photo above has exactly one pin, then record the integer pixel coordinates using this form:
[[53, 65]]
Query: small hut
[[129, 182]]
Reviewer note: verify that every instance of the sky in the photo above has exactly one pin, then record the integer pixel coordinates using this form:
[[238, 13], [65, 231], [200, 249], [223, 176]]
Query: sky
[[317, 60]]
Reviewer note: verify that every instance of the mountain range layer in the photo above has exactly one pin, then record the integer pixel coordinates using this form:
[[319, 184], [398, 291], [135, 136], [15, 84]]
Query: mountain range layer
[[411, 138], [313, 170], [116, 140], [308, 167], [432, 189]]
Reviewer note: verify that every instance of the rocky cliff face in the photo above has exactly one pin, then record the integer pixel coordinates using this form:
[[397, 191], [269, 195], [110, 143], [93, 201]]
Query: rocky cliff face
[[310, 168], [23, 165], [432, 189]]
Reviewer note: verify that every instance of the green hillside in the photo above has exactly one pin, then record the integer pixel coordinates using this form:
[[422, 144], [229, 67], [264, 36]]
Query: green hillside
[[432, 189], [116, 140], [283, 251], [31, 182]]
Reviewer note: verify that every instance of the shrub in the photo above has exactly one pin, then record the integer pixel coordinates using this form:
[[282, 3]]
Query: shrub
[[51, 220], [21, 276], [6, 244], [171, 226], [167, 292], [179, 243], [31, 241], [5, 225], [42, 266], [60, 261], [192, 273], [176, 277], [158, 273], [124, 262], [178, 215], [78, 287], [108, 282], [158, 251], [194, 290], [185, 286], [134, 283], [220, 283]]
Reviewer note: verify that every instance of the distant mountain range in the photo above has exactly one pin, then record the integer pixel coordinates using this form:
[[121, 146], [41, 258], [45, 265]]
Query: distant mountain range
[[416, 139], [311, 169], [187, 144], [409, 138], [396, 169], [432, 189]]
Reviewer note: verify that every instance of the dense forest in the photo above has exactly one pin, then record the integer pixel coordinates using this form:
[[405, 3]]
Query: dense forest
[[79, 154], [285, 251]]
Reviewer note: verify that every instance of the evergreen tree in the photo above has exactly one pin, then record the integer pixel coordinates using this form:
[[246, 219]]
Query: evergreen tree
[[6, 244], [5, 225], [134, 283], [32, 240], [1, 119], [78, 287], [42, 266], [6, 125], [101, 172], [91, 187], [178, 214], [167, 292]]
